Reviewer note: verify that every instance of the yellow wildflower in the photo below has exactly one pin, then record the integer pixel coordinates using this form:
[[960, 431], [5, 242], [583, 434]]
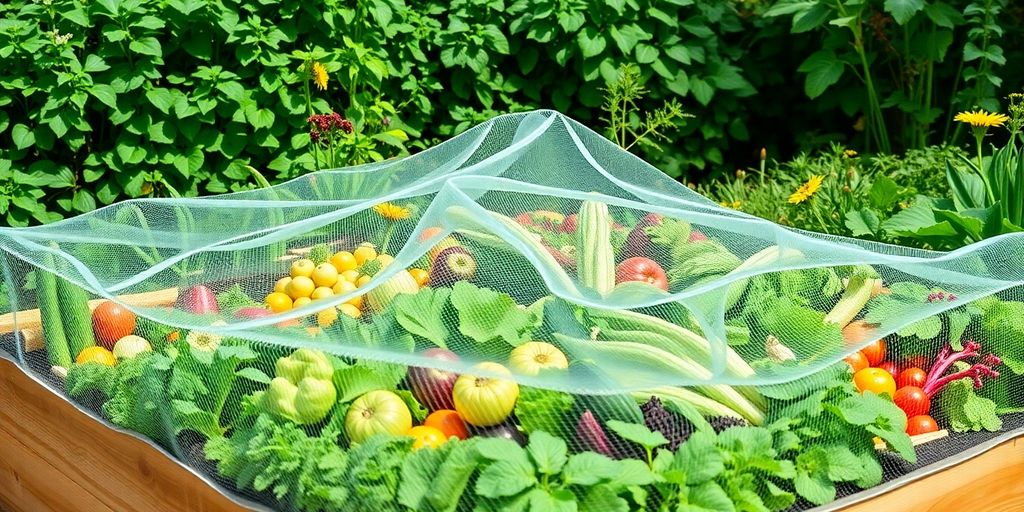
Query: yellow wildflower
[[320, 76], [392, 211], [849, 153], [981, 119], [735, 205], [806, 190]]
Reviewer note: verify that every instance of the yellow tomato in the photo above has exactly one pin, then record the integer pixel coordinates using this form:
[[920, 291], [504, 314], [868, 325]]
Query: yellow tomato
[[364, 253], [350, 310], [344, 287], [303, 267], [362, 281], [426, 437], [300, 286], [278, 302], [96, 354], [301, 301], [282, 284], [385, 260], [321, 292], [326, 317], [344, 260], [421, 276], [325, 275], [350, 275]]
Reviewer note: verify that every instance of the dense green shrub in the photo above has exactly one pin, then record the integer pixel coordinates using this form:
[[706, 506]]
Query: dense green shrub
[[112, 99]]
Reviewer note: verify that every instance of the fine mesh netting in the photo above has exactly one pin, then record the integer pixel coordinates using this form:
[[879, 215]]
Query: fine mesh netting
[[525, 317]]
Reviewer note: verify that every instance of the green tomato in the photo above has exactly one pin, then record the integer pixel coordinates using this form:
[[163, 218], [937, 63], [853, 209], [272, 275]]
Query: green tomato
[[314, 399], [485, 401], [377, 412]]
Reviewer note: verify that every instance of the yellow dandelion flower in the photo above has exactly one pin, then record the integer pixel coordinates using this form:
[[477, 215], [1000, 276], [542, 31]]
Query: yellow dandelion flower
[[806, 190], [320, 76], [981, 119], [392, 211], [849, 153]]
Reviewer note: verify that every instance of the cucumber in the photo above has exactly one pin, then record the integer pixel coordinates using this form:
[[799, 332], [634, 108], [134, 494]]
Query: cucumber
[[76, 316], [56, 341]]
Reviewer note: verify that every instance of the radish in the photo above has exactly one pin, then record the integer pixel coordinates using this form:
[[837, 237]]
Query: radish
[[199, 300]]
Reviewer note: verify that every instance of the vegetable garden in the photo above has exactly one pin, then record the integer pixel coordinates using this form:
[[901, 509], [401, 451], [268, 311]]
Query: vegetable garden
[[524, 317]]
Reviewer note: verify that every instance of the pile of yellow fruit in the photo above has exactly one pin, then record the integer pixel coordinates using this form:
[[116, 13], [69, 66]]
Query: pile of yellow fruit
[[341, 274]]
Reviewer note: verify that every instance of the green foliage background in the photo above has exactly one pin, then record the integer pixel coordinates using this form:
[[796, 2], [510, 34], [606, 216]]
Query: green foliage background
[[111, 99]]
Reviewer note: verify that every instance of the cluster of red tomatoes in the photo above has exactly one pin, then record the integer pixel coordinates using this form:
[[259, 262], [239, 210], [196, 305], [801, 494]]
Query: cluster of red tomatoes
[[904, 385]]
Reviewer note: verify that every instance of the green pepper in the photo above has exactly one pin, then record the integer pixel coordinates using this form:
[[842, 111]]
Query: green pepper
[[302, 390]]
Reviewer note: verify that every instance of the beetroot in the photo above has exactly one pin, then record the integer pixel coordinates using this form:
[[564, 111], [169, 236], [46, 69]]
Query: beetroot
[[638, 243], [592, 436]]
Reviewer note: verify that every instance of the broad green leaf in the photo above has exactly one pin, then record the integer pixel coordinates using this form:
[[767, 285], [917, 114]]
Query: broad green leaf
[[161, 98], [23, 136], [591, 42], [146, 46], [105, 93], [903, 10], [863, 222], [823, 70]]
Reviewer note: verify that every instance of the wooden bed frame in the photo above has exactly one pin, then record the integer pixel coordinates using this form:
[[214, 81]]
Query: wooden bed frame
[[55, 457]]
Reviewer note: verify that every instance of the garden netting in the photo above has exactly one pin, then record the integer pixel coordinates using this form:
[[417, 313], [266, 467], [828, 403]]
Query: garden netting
[[524, 317]]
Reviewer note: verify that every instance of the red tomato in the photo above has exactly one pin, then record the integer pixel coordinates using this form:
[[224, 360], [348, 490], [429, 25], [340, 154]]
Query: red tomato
[[641, 269], [876, 380], [857, 361], [921, 424], [111, 322], [912, 400], [918, 361], [888, 366], [875, 352], [911, 377]]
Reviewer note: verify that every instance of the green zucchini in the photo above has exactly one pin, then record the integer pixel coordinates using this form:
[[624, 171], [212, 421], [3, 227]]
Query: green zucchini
[[49, 313], [75, 314], [595, 256]]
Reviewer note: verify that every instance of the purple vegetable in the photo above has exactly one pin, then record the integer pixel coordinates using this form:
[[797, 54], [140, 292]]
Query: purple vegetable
[[199, 300], [592, 436], [506, 430]]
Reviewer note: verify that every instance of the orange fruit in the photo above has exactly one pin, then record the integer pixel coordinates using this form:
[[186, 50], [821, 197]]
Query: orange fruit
[[278, 302], [327, 317], [421, 276], [350, 310], [343, 260], [282, 284], [301, 301], [96, 354], [303, 267], [350, 275], [449, 422], [321, 292], [325, 275], [426, 437], [362, 281], [364, 253], [385, 260], [300, 286]]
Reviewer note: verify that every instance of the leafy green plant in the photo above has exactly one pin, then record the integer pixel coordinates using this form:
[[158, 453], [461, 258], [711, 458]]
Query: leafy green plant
[[625, 126]]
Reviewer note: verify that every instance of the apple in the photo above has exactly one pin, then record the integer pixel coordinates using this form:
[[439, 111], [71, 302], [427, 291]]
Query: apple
[[638, 243], [569, 224], [131, 346], [641, 269], [199, 300], [532, 357], [451, 265], [433, 387], [485, 401], [377, 412]]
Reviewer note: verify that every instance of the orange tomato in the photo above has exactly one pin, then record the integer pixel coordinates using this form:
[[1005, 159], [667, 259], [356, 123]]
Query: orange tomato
[[421, 276], [857, 361], [876, 380], [426, 437], [111, 322], [278, 302], [921, 424], [449, 422], [96, 355], [875, 352]]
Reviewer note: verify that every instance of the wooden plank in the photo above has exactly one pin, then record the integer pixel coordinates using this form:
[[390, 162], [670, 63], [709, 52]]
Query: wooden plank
[[28, 321], [54, 457], [990, 482]]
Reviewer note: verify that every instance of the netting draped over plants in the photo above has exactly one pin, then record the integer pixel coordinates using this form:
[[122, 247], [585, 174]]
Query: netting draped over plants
[[528, 228]]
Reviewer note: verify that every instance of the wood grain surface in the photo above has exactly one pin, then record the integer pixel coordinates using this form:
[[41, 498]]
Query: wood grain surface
[[56, 458]]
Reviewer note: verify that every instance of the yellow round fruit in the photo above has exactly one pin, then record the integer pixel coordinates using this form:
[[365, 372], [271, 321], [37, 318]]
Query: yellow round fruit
[[421, 276], [385, 260], [303, 267], [278, 302], [300, 286], [96, 354], [344, 260], [282, 284], [322, 292], [327, 317], [350, 275], [325, 275], [362, 281], [364, 253], [344, 287], [350, 310], [426, 437], [301, 301]]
